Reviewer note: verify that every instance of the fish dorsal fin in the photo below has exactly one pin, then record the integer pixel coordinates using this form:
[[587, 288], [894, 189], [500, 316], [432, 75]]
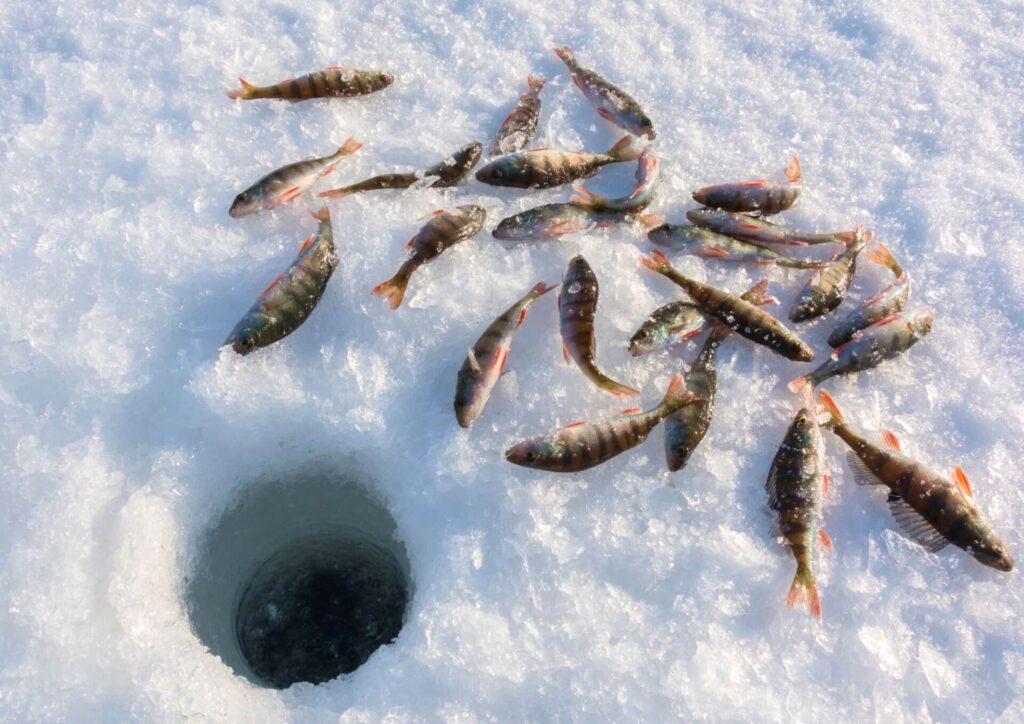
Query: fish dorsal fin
[[522, 317], [574, 424], [915, 527], [862, 474], [824, 539], [632, 411], [753, 182], [473, 363], [272, 284], [771, 487], [960, 477], [890, 439], [714, 252]]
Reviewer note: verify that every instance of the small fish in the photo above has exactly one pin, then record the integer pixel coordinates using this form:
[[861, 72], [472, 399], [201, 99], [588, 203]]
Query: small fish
[[765, 197], [333, 82], [520, 126], [759, 231], [577, 306], [686, 427], [541, 168], [612, 103], [827, 287], [551, 221], [932, 509], [795, 485], [667, 325], [868, 348], [443, 231], [485, 360], [708, 244], [648, 169], [286, 183], [736, 313], [583, 445], [291, 297], [886, 303], [449, 172]]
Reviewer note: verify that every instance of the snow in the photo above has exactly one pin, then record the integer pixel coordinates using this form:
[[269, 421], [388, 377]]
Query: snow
[[623, 593]]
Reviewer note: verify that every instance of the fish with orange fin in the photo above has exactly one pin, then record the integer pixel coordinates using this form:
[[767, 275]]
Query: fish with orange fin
[[710, 245], [648, 170], [520, 126], [577, 307], [542, 168], [932, 509], [739, 315], [826, 289], [444, 230], [611, 102], [286, 183], [764, 197], [552, 221], [583, 445], [883, 305], [447, 172], [291, 297], [759, 231], [485, 360], [334, 82], [666, 326]]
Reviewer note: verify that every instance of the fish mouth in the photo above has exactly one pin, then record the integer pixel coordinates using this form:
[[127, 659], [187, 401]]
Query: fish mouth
[[1001, 560], [701, 196]]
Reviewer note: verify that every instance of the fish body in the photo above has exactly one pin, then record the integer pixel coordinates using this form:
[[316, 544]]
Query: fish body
[[449, 172], [759, 231], [737, 314], [443, 231], [764, 197], [611, 102], [551, 221], [794, 486], [520, 126], [827, 287], [932, 508], [870, 347], [583, 445], [543, 168], [667, 325], [291, 297], [485, 360], [287, 182], [886, 303], [577, 306], [710, 245], [334, 82], [647, 173]]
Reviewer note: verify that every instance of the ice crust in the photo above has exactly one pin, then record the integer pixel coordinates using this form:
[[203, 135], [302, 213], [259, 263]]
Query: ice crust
[[624, 593]]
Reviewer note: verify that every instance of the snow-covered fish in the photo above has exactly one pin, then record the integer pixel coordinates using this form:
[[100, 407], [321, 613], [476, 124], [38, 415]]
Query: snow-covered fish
[[765, 197], [583, 445], [667, 325], [869, 347], [542, 168], [736, 313], [710, 245], [759, 231], [612, 103], [448, 172], [485, 360], [520, 126], [286, 183], [330, 82], [827, 287], [886, 303], [443, 231], [648, 169], [577, 306], [931, 508], [289, 300]]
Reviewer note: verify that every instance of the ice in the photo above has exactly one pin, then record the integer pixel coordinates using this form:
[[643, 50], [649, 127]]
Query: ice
[[621, 594]]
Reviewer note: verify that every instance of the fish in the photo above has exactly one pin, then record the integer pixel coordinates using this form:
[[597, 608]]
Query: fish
[[667, 325], [710, 245], [757, 230], [541, 168], [289, 300], [551, 221], [485, 360], [286, 183], [686, 427], [520, 126], [931, 508], [449, 172], [886, 303], [765, 197], [869, 347], [736, 313], [584, 445], [796, 483], [443, 231], [611, 102], [827, 287], [333, 82], [647, 173], [577, 306]]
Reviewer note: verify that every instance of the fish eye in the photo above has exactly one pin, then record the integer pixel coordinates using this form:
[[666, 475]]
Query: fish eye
[[531, 456]]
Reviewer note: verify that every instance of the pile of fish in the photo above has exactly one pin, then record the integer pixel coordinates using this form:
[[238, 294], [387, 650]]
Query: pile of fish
[[732, 224]]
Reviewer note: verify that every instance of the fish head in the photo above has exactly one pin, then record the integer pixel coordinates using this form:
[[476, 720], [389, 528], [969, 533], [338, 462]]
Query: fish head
[[701, 196], [702, 217], [644, 127], [532, 453], [243, 341], [497, 171], [248, 202], [380, 79], [664, 235], [921, 322], [648, 338], [992, 552], [246, 335]]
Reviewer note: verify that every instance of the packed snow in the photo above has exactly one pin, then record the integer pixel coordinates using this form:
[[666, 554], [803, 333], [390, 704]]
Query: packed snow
[[623, 593]]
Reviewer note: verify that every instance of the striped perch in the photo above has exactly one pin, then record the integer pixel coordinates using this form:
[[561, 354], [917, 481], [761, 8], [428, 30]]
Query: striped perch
[[542, 168], [827, 287], [759, 231], [333, 82], [765, 197], [448, 172], [883, 305], [520, 126]]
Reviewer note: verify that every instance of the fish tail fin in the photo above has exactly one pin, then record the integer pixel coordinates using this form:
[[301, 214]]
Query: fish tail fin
[[831, 408], [804, 590], [656, 262], [800, 385], [624, 149], [677, 395], [321, 214], [535, 82], [882, 256], [541, 288], [651, 221], [338, 193], [758, 295], [393, 290], [349, 147], [586, 198], [567, 56], [616, 388], [793, 171], [246, 92]]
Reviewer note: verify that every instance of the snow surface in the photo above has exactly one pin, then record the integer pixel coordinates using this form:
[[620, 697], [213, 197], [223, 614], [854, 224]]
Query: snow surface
[[623, 593]]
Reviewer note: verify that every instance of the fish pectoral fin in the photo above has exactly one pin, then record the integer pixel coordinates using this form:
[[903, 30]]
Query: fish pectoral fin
[[890, 439], [631, 411], [565, 353], [574, 424], [824, 483], [715, 252], [272, 284], [915, 527], [290, 194], [522, 317], [473, 363], [307, 243], [862, 474], [825, 541], [605, 114], [960, 478]]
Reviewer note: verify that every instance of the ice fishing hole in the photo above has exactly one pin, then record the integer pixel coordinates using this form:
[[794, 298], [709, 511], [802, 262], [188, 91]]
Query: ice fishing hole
[[300, 581]]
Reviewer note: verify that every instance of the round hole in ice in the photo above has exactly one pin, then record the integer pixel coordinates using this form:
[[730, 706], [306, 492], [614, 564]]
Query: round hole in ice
[[301, 580]]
